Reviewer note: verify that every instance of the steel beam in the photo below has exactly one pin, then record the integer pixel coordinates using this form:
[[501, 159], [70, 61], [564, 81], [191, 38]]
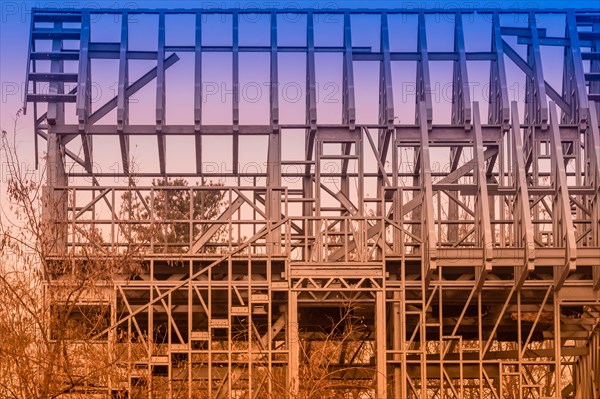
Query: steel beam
[[564, 230], [522, 212]]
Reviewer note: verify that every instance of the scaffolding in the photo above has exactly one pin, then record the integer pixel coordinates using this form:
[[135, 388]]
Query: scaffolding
[[477, 280]]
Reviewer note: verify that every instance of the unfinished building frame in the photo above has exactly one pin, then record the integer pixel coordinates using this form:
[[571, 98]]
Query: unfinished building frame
[[479, 280]]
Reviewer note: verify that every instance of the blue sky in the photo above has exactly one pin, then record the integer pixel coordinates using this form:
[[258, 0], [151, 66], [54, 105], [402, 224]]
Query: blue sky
[[14, 34], [14, 26]]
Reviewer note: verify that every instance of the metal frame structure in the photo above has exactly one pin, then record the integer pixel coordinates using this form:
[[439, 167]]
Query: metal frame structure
[[481, 280]]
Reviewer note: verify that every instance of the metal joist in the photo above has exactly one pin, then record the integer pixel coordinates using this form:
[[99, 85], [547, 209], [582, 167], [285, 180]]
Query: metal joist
[[293, 337], [274, 83], [564, 230], [423, 79], [461, 112], [386, 102], [593, 143], [483, 228], [235, 79], [83, 102], [122, 100], [380, 345], [537, 107], [348, 100], [198, 92], [311, 91], [498, 110], [348, 106], [574, 77], [461, 97], [386, 109], [56, 87], [274, 195], [429, 236], [521, 211], [311, 120], [160, 95], [83, 71]]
